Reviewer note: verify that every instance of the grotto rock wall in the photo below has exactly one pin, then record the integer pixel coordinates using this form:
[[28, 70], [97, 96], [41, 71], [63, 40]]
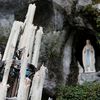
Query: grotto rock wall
[[65, 29]]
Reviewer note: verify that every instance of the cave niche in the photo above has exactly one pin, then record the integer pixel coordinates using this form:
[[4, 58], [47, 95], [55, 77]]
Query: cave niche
[[79, 43]]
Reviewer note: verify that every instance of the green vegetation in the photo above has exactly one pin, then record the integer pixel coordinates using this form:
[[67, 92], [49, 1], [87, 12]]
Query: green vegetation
[[87, 91]]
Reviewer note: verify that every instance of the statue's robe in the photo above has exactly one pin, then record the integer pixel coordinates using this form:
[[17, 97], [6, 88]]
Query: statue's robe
[[88, 55]]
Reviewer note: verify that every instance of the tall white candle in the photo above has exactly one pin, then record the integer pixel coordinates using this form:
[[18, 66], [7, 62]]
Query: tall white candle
[[12, 44], [9, 53], [30, 14], [29, 31], [22, 91], [32, 43], [37, 84], [37, 47], [15, 28]]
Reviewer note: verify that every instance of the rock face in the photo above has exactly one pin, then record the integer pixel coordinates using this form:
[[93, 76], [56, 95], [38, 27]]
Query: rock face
[[84, 2], [89, 77], [65, 31], [6, 20], [7, 10], [67, 58]]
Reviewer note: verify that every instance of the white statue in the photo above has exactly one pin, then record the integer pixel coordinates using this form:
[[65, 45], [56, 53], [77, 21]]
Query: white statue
[[88, 55], [50, 98]]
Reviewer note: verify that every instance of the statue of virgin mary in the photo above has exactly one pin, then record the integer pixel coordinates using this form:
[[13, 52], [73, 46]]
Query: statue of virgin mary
[[88, 57]]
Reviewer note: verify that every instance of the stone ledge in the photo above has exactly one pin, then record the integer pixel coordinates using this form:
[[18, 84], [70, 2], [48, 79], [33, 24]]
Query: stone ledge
[[89, 77]]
